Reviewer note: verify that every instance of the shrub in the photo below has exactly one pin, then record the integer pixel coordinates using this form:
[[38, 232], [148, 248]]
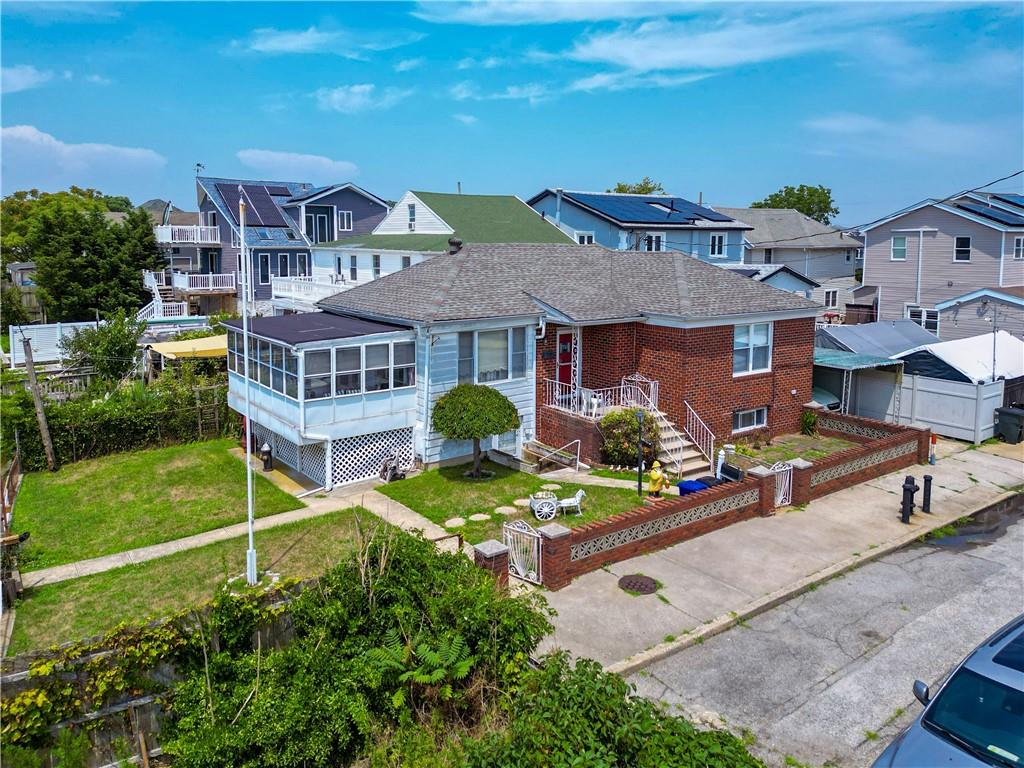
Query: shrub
[[111, 348], [473, 412], [809, 423], [619, 430], [566, 716]]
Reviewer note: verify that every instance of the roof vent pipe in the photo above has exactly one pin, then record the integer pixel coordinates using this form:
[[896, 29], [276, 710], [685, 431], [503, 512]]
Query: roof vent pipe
[[700, 198], [454, 245], [558, 207]]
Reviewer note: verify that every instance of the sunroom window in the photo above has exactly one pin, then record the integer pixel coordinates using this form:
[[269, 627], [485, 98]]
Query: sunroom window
[[318, 374], [378, 363], [347, 371], [403, 374]]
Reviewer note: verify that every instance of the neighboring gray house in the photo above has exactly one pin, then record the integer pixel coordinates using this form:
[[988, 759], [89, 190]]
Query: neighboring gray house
[[955, 267], [778, 276], [643, 223]]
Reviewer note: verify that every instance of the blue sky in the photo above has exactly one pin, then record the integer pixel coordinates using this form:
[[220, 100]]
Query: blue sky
[[885, 103]]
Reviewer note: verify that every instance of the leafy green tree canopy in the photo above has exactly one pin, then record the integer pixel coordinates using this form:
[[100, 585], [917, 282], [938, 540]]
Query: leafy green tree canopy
[[111, 348], [473, 412], [646, 186], [815, 202]]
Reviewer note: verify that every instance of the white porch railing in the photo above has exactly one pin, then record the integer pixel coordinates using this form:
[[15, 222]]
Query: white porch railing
[[195, 281], [157, 310], [589, 403], [700, 434], [174, 233], [306, 288]]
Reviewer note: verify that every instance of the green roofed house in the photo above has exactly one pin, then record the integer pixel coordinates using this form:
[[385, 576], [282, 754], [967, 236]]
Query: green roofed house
[[418, 227]]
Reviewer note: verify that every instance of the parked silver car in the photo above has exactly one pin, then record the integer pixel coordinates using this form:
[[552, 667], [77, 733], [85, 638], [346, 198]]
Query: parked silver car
[[976, 718]]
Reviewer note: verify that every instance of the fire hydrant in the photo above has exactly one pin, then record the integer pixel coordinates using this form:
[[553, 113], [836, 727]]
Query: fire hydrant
[[910, 487], [268, 458]]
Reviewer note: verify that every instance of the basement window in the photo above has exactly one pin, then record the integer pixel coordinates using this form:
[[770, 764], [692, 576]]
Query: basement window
[[744, 421]]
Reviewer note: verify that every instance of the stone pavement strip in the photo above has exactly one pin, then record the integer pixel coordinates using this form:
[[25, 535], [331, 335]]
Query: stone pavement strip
[[377, 503], [716, 580]]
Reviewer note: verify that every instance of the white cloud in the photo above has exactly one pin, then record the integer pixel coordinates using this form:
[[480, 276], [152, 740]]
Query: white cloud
[[32, 158], [622, 81], [313, 39], [292, 165], [531, 92], [845, 133], [510, 12], [407, 65], [490, 62], [358, 98], [45, 13], [466, 119], [98, 80], [464, 90], [22, 78]]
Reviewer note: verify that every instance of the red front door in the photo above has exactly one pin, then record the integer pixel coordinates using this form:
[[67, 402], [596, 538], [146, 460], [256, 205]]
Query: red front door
[[565, 357]]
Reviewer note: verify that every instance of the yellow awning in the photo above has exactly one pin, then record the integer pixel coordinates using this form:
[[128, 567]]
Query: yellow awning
[[211, 346]]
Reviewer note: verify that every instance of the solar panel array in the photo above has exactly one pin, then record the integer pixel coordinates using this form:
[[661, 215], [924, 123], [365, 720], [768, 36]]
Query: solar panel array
[[647, 210], [261, 210], [1012, 199], [279, 191], [996, 214], [230, 194]]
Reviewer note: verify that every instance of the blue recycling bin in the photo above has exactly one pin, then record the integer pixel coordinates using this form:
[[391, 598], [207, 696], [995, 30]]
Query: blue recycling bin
[[687, 487]]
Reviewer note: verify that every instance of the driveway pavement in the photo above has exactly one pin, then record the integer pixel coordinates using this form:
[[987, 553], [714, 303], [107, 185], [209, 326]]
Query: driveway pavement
[[826, 677], [745, 567]]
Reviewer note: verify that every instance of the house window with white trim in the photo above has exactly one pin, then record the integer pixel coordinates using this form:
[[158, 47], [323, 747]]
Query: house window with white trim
[[211, 218], [376, 266], [768, 255], [1018, 247], [406, 262], [926, 318], [860, 254], [353, 268], [755, 418], [344, 221], [264, 268], [282, 265], [412, 217], [486, 357], [962, 248], [717, 247], [585, 238], [466, 361], [898, 250], [831, 299], [302, 264], [492, 352], [653, 242], [751, 348], [849, 255]]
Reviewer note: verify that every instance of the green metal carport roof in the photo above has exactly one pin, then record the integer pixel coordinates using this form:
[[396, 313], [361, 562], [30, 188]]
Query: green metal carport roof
[[850, 361]]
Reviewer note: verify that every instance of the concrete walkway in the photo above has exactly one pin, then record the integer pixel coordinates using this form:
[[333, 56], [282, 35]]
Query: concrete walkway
[[365, 496], [712, 581]]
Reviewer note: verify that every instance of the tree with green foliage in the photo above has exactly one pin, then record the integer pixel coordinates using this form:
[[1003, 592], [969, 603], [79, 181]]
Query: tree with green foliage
[[12, 311], [112, 348], [118, 203], [474, 412], [646, 186], [815, 202]]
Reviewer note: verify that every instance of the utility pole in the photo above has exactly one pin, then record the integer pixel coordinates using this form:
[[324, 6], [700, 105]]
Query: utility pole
[[44, 428]]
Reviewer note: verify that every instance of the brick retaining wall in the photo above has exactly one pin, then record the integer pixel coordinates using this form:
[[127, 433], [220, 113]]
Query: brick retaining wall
[[557, 428]]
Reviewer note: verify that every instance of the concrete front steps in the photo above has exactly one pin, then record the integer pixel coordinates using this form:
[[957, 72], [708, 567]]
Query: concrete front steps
[[675, 448]]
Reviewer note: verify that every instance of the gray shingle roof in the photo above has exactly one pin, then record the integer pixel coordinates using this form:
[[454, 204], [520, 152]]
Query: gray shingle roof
[[788, 228], [585, 283]]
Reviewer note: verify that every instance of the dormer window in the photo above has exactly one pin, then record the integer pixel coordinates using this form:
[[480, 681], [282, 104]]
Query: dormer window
[[412, 217]]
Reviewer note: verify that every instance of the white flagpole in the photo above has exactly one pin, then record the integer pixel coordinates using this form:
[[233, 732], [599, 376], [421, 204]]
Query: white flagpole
[[250, 555]]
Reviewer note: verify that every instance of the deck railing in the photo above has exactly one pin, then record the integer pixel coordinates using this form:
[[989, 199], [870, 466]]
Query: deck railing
[[306, 287], [587, 402], [175, 233], [196, 281]]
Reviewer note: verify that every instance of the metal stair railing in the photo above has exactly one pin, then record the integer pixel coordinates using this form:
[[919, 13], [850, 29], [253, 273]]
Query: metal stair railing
[[664, 425], [700, 434], [563, 450]]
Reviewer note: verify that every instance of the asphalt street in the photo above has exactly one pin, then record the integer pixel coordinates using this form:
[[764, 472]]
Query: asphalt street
[[825, 678]]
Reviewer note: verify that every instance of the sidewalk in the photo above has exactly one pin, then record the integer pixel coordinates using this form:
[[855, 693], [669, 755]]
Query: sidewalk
[[714, 580]]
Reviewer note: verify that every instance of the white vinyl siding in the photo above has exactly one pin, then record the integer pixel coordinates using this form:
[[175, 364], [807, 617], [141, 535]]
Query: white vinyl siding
[[751, 348], [397, 220], [1018, 247]]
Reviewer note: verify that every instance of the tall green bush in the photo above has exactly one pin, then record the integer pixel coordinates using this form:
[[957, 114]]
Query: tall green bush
[[473, 412], [619, 430]]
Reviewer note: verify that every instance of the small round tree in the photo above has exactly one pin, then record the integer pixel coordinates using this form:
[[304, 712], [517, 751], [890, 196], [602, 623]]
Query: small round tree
[[473, 412]]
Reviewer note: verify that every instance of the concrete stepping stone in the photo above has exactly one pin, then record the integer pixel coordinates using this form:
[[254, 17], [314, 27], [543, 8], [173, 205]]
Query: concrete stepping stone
[[506, 510], [454, 522], [522, 502], [550, 487], [479, 517]]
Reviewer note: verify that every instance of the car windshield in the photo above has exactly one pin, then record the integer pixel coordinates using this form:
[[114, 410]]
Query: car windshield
[[981, 716]]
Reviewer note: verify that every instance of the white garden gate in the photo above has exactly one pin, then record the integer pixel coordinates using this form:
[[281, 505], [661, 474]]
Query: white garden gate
[[524, 558], [783, 483]]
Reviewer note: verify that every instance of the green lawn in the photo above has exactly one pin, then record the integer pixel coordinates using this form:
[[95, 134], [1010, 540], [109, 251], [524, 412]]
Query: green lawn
[[127, 500], [442, 494], [5, 342], [785, 447], [631, 476], [80, 608]]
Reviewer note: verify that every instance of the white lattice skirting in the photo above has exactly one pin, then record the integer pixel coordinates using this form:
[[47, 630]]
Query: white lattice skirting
[[352, 458], [851, 428], [661, 524], [880, 457]]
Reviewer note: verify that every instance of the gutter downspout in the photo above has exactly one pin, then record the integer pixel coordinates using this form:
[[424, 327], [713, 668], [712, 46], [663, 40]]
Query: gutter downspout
[[920, 256], [426, 397]]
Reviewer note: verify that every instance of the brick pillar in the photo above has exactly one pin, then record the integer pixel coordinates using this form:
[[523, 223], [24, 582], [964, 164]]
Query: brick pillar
[[492, 556], [554, 544], [802, 470], [924, 440], [766, 480]]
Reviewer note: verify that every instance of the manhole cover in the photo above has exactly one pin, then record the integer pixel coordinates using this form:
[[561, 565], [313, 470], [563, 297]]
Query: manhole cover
[[638, 583]]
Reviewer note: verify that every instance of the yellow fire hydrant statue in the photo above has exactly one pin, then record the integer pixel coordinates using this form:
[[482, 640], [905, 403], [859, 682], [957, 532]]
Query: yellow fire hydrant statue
[[658, 480]]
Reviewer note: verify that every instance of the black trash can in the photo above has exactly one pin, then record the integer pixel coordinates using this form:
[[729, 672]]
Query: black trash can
[[1010, 424]]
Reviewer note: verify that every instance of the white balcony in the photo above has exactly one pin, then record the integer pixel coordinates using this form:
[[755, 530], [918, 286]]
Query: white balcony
[[311, 288], [187, 235], [195, 282]]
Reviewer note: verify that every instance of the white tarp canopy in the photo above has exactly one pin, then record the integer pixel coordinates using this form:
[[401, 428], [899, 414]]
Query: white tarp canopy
[[973, 356]]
